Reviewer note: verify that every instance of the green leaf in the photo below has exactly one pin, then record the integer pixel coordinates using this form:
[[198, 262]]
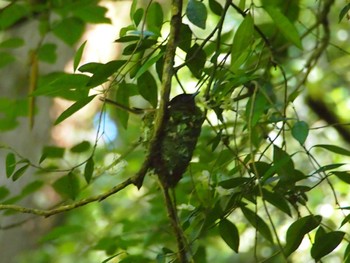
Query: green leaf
[[78, 55], [234, 182], [61, 231], [104, 71], [283, 163], [4, 192], [286, 27], [255, 113], [147, 65], [81, 147], [107, 244], [137, 16], [6, 58], [342, 175], [347, 254], [215, 7], [277, 200], [154, 18], [31, 188], [186, 37], [52, 152], [345, 220], [147, 87], [326, 243], [89, 169], [67, 186], [256, 221], [343, 12], [69, 30], [300, 131], [12, 14], [196, 12], [298, 230], [334, 148], [10, 164], [92, 14], [74, 108], [47, 53], [242, 41], [16, 175], [14, 42], [195, 60], [229, 233]]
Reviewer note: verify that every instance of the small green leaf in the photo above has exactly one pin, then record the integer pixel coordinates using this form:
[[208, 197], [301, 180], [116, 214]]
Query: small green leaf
[[78, 55], [16, 175], [92, 14], [67, 186], [343, 12], [345, 220], [286, 27], [61, 231], [154, 19], [52, 152], [255, 113], [69, 30], [300, 131], [10, 164], [215, 7], [31, 188], [6, 58], [73, 109], [13, 13], [147, 87], [256, 221], [325, 244], [186, 37], [137, 16], [298, 230], [104, 71], [334, 148], [47, 53], [89, 169], [235, 182], [12, 43], [4, 192], [277, 200], [197, 13], [81, 147], [195, 60], [147, 65], [229, 233]]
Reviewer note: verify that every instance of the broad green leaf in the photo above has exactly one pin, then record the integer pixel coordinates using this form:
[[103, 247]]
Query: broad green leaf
[[10, 164], [286, 27], [104, 71], [242, 41], [277, 200], [195, 60], [342, 175], [69, 30], [92, 14], [14, 42], [78, 55], [147, 87], [254, 114], [61, 231], [31, 188], [229, 233], [196, 12], [300, 131], [137, 16], [4, 192], [334, 148], [74, 108], [343, 12], [282, 161], [52, 152], [6, 58], [89, 169], [186, 37], [326, 243], [47, 53], [17, 174], [258, 223], [91, 67], [154, 18], [81, 147], [215, 7], [67, 186], [12, 14], [298, 230]]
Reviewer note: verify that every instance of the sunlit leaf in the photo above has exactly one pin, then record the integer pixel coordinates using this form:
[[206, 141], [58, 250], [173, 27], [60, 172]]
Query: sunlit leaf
[[326, 243], [197, 13], [298, 230], [229, 233], [74, 108]]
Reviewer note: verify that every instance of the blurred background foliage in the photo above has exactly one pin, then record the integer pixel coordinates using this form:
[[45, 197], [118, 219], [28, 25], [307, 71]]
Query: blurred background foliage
[[269, 177]]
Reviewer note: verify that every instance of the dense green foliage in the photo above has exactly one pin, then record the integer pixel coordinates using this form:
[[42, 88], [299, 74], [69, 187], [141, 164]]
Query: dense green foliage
[[273, 84]]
